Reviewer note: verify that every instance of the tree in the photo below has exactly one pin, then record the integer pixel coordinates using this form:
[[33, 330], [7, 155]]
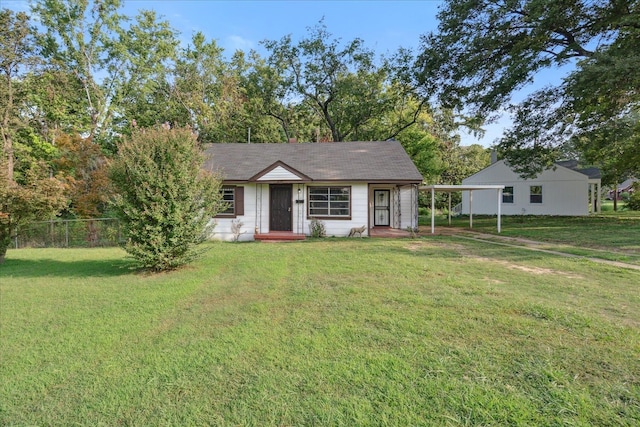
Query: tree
[[340, 83], [209, 90], [17, 57], [111, 58], [268, 95], [84, 168], [40, 197], [163, 196], [30, 194], [486, 51]]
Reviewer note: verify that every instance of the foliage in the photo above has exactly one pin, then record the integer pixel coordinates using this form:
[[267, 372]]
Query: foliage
[[111, 58], [95, 72], [317, 228], [69, 233], [17, 54], [634, 199], [340, 83], [85, 169], [435, 331], [163, 196], [485, 52], [40, 197]]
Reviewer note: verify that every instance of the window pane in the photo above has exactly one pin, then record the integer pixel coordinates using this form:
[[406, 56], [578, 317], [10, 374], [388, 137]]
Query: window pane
[[318, 212], [507, 195], [535, 194], [318, 205], [228, 197], [339, 212], [340, 205], [329, 201]]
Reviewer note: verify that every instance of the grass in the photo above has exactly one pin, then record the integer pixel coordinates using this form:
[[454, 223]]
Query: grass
[[611, 235], [431, 331]]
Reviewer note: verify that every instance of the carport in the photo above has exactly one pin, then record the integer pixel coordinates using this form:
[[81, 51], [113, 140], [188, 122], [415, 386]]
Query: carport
[[454, 188]]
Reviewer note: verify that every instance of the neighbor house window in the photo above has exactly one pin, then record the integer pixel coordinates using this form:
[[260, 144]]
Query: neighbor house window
[[330, 202], [535, 194], [507, 195], [233, 198]]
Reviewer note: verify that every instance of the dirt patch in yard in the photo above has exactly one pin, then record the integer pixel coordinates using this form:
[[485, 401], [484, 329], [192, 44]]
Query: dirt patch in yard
[[417, 245], [527, 268]]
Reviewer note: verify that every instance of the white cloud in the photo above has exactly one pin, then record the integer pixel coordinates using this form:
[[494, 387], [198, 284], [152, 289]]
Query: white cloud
[[236, 42]]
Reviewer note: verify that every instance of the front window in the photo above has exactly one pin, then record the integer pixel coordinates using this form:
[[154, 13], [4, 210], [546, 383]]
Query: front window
[[329, 201], [535, 194], [507, 195], [228, 197]]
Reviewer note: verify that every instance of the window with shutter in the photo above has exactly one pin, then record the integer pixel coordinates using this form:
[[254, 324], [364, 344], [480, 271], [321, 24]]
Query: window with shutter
[[233, 197]]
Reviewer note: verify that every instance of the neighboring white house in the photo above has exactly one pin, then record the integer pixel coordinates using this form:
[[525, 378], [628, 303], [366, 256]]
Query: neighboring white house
[[557, 191], [281, 188]]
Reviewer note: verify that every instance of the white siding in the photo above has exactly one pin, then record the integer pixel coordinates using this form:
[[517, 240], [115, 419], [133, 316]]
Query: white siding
[[222, 229], [564, 192], [404, 205], [256, 212], [408, 207], [279, 174]]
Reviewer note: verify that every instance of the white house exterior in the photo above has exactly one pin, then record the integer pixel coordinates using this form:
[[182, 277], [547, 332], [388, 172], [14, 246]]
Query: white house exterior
[[556, 191], [281, 188]]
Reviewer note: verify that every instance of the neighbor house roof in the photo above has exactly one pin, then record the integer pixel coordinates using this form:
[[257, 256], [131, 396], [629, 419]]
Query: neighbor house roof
[[626, 184], [381, 161], [592, 172]]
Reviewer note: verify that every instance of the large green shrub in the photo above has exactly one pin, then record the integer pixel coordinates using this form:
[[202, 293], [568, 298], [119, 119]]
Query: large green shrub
[[164, 197]]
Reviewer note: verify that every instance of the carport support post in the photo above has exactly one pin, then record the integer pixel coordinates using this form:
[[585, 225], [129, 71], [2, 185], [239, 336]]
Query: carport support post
[[449, 208], [499, 208], [470, 208], [433, 210]]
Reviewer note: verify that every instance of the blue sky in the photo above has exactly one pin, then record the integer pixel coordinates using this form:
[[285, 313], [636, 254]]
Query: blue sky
[[383, 25]]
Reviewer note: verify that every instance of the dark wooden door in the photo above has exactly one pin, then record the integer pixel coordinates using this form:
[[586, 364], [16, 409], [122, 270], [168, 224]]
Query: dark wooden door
[[280, 208]]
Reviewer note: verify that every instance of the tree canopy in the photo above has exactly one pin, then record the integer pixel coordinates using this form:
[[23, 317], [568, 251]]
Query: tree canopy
[[484, 52], [340, 84], [79, 76]]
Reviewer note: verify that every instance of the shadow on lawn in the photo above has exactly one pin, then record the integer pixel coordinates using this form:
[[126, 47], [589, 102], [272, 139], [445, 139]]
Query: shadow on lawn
[[57, 268]]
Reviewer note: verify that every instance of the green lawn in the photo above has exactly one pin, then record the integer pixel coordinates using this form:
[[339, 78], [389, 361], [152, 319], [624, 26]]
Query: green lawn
[[610, 235], [431, 331]]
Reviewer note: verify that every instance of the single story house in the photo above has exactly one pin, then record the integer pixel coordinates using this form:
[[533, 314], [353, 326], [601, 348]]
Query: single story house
[[561, 190], [281, 188]]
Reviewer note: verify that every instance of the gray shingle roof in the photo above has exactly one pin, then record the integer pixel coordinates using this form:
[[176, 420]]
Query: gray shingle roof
[[382, 161], [592, 172]]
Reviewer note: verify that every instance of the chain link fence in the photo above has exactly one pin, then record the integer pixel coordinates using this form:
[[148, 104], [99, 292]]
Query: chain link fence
[[71, 233]]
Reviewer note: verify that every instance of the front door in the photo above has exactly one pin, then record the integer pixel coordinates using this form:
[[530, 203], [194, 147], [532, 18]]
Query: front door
[[280, 208], [382, 208]]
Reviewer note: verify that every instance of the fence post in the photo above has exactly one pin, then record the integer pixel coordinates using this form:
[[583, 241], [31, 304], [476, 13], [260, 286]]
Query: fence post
[[66, 234]]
